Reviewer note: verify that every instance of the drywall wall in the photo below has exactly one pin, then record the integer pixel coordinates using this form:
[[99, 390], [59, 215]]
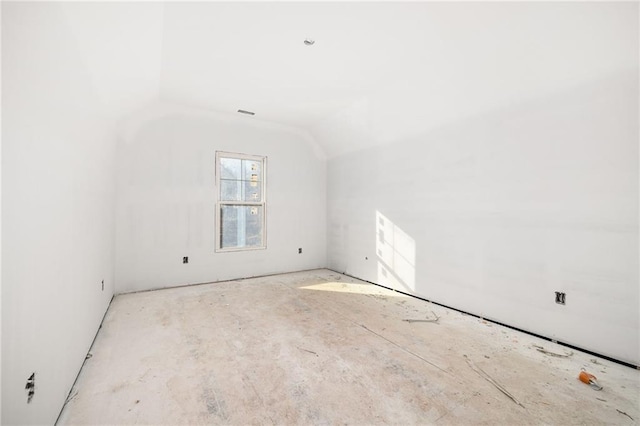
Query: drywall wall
[[495, 213], [0, 232], [463, 59], [166, 199], [58, 181], [492, 199]]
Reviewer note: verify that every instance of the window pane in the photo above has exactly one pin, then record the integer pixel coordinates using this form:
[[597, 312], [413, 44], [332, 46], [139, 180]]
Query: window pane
[[251, 170], [230, 190], [231, 168], [241, 226], [252, 191]]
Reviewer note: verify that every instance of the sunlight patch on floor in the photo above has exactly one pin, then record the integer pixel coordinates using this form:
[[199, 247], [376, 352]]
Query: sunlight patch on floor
[[354, 288]]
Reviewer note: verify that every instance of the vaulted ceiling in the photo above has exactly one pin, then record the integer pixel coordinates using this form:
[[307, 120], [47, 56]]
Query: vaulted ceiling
[[377, 71]]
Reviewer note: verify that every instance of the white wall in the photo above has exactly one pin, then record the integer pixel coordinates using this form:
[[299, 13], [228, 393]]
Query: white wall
[[509, 177], [166, 197], [0, 232], [456, 60], [58, 163], [495, 213]]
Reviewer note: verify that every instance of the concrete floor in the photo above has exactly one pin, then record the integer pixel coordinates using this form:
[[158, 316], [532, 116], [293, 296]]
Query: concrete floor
[[318, 347]]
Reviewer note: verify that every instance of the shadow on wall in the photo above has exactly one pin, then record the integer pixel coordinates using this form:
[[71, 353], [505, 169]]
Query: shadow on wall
[[396, 253]]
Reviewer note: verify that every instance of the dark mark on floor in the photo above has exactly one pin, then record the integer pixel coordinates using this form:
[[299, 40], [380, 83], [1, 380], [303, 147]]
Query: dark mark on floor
[[622, 412], [307, 350]]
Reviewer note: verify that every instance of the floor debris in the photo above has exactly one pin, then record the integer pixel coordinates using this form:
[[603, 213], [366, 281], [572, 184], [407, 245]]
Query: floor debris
[[544, 351], [420, 320], [403, 348], [307, 350], [70, 397], [623, 413], [589, 379], [489, 379], [434, 319]]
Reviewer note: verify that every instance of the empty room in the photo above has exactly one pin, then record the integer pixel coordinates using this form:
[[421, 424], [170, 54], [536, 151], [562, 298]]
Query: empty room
[[320, 213]]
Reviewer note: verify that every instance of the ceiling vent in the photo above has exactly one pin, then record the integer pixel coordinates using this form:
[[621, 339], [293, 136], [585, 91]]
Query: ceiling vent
[[242, 111]]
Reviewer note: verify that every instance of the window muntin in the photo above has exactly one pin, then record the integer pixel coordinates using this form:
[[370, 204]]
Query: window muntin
[[240, 218]]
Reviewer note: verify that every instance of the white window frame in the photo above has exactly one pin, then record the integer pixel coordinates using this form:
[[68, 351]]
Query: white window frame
[[220, 202]]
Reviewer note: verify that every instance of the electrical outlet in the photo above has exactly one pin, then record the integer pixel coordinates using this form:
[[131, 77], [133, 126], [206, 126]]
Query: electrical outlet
[[560, 298], [185, 259], [300, 250]]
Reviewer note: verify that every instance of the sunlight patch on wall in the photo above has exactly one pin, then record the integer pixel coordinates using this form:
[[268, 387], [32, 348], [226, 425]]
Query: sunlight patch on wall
[[368, 289], [396, 252]]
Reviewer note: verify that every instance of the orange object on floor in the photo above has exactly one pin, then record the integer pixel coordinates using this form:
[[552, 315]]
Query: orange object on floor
[[586, 377], [589, 379]]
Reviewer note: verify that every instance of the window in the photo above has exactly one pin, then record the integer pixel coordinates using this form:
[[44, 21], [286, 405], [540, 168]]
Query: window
[[240, 218]]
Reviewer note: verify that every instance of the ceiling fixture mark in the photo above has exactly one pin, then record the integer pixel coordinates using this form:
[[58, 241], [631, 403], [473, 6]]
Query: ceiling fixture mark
[[309, 41], [242, 111]]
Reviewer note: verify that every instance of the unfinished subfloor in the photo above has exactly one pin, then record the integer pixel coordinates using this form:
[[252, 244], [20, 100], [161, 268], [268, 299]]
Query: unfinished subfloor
[[318, 347]]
